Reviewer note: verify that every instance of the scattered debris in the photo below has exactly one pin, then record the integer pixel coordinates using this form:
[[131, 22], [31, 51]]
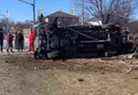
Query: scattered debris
[[130, 65], [80, 79], [35, 68], [6, 61]]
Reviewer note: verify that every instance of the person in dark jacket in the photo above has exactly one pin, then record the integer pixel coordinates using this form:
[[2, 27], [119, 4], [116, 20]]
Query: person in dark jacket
[[20, 41], [16, 40], [1, 39], [10, 42], [41, 51]]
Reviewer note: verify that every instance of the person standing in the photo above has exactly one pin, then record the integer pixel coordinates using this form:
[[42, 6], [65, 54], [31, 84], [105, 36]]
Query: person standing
[[10, 42], [1, 39], [32, 37], [41, 51], [20, 41], [16, 40]]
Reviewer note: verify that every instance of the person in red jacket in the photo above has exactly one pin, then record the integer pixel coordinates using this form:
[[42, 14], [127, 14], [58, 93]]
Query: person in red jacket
[[32, 36]]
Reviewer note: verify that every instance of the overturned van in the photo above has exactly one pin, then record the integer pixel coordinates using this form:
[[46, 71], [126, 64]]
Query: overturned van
[[86, 41]]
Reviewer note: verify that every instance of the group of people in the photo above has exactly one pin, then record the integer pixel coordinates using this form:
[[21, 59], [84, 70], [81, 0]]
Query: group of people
[[11, 37], [16, 40]]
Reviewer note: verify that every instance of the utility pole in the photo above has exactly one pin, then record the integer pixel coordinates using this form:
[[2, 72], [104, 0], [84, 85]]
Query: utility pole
[[34, 12], [7, 20], [33, 4], [83, 11], [6, 17]]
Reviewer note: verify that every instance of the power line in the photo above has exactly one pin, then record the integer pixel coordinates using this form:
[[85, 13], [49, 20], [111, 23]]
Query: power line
[[26, 2], [33, 4]]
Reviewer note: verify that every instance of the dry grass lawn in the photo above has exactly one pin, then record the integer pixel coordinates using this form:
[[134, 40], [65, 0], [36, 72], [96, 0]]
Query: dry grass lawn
[[22, 75]]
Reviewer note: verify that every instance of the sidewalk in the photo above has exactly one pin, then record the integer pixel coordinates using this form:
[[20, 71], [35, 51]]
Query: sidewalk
[[25, 52]]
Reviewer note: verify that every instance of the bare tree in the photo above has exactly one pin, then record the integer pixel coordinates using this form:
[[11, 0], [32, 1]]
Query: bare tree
[[109, 11], [6, 24], [22, 25]]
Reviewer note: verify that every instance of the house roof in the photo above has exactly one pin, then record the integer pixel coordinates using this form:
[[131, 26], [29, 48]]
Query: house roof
[[61, 14], [133, 26]]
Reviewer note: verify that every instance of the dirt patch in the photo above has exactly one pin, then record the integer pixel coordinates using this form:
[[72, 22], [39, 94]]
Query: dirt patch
[[22, 75]]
